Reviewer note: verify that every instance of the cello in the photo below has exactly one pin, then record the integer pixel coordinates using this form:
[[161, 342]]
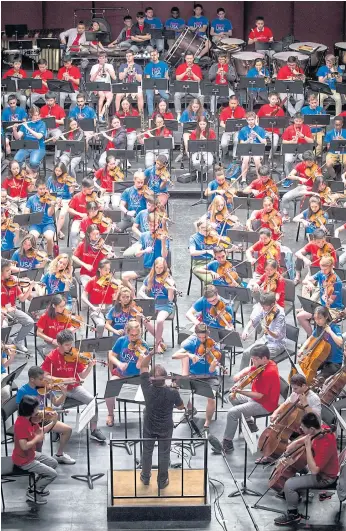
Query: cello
[[333, 386]]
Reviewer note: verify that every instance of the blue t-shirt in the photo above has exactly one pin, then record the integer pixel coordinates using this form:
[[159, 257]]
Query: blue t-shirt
[[27, 390], [197, 243], [175, 24], [134, 200], [126, 355], [142, 220], [253, 72], [220, 226], [213, 185], [154, 181], [18, 114], [4, 357], [320, 278], [221, 26], [214, 266], [118, 318], [157, 291], [154, 23], [146, 240], [7, 240], [82, 114], [187, 116], [59, 189], [323, 71], [34, 205], [245, 132], [312, 226], [156, 70], [203, 306], [202, 366], [319, 110], [336, 354], [24, 261], [198, 22], [38, 127], [330, 136]]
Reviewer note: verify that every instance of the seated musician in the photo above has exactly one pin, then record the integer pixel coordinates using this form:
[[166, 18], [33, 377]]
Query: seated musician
[[51, 108], [221, 73], [314, 217], [103, 72], [159, 285], [155, 69], [52, 321], [13, 113], [205, 159], [271, 282], [318, 247], [25, 257], [220, 271], [8, 355], [234, 111], [16, 73], [305, 174], [322, 460], [75, 37], [271, 110], [260, 70], [337, 133], [153, 244], [36, 131], [140, 35], [158, 178], [297, 133], [131, 72], [267, 248], [221, 26], [187, 71], [329, 287], [97, 44], [174, 23], [58, 278], [201, 253], [292, 72], [44, 74], [212, 310], [318, 132], [17, 185], [267, 218], [121, 312], [123, 41], [271, 318], [158, 131], [250, 134], [56, 366], [199, 358], [125, 359], [71, 73], [331, 74], [61, 185], [126, 110], [72, 157], [104, 178], [264, 186], [83, 112], [9, 295], [163, 109], [192, 113], [77, 207], [94, 217], [263, 398], [99, 293], [220, 219], [220, 186], [308, 400], [140, 225], [200, 23], [154, 23], [132, 200], [342, 257], [260, 33]]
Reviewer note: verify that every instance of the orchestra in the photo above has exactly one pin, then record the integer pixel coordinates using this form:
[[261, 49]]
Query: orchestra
[[100, 239]]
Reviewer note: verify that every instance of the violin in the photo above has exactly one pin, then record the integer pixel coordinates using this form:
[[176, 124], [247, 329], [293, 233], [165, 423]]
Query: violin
[[163, 280], [23, 176], [21, 283], [273, 220], [164, 175], [74, 355], [270, 284], [106, 281], [270, 316], [328, 286], [161, 234], [8, 224], [219, 311], [313, 172], [137, 347], [48, 198], [64, 276], [102, 247], [271, 250], [226, 218], [101, 219], [46, 415], [40, 256], [67, 317], [318, 219], [92, 197], [229, 191], [227, 272], [67, 179], [146, 192], [246, 380], [326, 250], [117, 174], [136, 311], [214, 239], [211, 354]]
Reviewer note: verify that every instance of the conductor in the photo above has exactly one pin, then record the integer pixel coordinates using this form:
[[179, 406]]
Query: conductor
[[158, 420]]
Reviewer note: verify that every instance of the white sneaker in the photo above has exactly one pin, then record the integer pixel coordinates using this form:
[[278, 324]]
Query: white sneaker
[[65, 459], [128, 164], [39, 500], [178, 116], [21, 346]]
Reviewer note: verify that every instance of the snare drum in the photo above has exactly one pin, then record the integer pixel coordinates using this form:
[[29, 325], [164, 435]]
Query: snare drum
[[230, 45], [280, 59], [188, 41], [340, 52], [243, 61], [314, 49]]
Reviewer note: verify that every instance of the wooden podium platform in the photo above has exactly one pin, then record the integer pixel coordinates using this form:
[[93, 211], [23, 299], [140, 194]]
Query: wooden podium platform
[[150, 506]]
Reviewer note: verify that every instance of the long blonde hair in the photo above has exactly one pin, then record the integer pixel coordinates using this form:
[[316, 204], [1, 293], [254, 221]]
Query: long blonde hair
[[213, 208], [152, 274], [53, 266]]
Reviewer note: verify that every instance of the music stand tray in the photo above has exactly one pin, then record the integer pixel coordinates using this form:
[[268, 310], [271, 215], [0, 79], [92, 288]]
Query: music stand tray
[[124, 88], [190, 87], [317, 120], [210, 89], [233, 125], [132, 122], [28, 219], [308, 305], [250, 150], [248, 83], [24, 144], [158, 143], [97, 86], [321, 88], [48, 44], [198, 146], [296, 149], [30, 83], [241, 294], [122, 154], [56, 85], [290, 87], [278, 122], [49, 121], [155, 84]]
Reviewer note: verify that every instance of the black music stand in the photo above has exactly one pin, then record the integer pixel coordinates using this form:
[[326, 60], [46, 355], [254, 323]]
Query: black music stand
[[96, 345], [115, 215], [200, 146], [317, 120], [127, 263], [230, 340], [29, 83], [233, 125], [273, 122], [37, 304], [24, 144], [340, 272], [118, 240], [5, 334], [337, 213], [132, 122], [339, 147], [9, 378], [295, 149], [124, 155], [126, 88], [99, 36], [73, 146], [185, 87], [289, 87], [158, 143], [56, 85], [16, 30], [217, 91], [308, 305], [8, 85], [340, 88], [24, 220], [253, 84], [243, 236], [172, 125], [49, 121], [243, 295], [251, 150], [98, 86], [321, 88], [155, 84]]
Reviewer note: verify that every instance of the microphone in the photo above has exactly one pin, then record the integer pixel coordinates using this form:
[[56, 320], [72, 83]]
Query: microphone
[[215, 444]]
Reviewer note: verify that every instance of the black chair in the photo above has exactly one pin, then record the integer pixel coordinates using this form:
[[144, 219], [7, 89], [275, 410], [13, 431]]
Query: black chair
[[190, 279], [7, 410], [327, 415], [9, 471], [290, 294], [292, 334]]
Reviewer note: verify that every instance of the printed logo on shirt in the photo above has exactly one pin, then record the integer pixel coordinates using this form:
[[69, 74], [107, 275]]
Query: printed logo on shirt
[[156, 71], [128, 356]]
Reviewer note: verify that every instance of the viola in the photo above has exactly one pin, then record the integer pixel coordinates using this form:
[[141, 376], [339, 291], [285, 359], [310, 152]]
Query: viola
[[41, 256], [229, 191], [269, 187], [271, 250], [137, 347], [106, 281], [328, 286], [164, 175], [227, 272], [214, 239], [64, 276], [313, 172], [67, 179], [100, 246], [67, 317], [270, 284], [273, 220], [46, 415], [211, 354], [117, 174], [48, 198], [246, 380], [164, 280], [92, 197], [223, 316], [101, 219], [270, 316], [74, 355]]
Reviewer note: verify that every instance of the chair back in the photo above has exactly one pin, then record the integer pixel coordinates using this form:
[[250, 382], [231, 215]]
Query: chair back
[[290, 290], [8, 408], [284, 387], [292, 333], [327, 415]]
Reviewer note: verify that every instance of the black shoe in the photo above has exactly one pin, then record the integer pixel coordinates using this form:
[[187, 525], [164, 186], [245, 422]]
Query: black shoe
[[288, 519], [227, 447], [252, 425], [98, 435], [144, 481], [280, 495], [164, 485]]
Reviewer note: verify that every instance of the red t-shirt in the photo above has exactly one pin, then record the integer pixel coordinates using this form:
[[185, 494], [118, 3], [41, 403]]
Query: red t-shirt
[[9, 295], [280, 288], [343, 113], [73, 72], [285, 72], [97, 294], [75, 44], [291, 130], [56, 111], [211, 135], [166, 133], [89, 257], [122, 115], [85, 223], [44, 76], [16, 187], [23, 429], [56, 365], [260, 264], [165, 116], [194, 68], [263, 36], [266, 111], [300, 168], [325, 454], [11, 71], [78, 203], [106, 181], [230, 114], [268, 384], [265, 224], [51, 327], [257, 184], [312, 249]]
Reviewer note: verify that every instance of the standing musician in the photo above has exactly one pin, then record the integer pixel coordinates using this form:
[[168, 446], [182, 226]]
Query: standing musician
[[71, 73], [106, 176], [103, 72], [337, 133], [271, 282], [314, 217], [221, 73], [234, 111], [271, 318], [264, 186], [72, 157], [131, 72], [18, 185], [261, 400], [305, 174], [318, 248], [44, 74], [27, 256], [36, 131], [99, 293], [250, 134], [267, 218], [220, 186], [10, 292], [204, 159], [200, 356], [159, 130], [292, 72], [123, 310], [297, 133], [267, 248], [331, 74], [125, 359], [66, 362], [133, 200], [318, 132], [61, 185], [322, 460], [58, 278], [220, 271], [272, 109], [158, 178], [53, 321], [52, 109], [212, 310], [77, 207], [16, 73], [126, 110], [187, 71], [260, 33]]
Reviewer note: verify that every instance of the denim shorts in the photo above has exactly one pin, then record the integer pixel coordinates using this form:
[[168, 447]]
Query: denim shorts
[[41, 229]]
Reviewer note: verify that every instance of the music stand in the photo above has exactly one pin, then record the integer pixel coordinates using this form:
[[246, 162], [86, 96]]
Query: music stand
[[98, 86], [24, 220], [5, 334], [172, 125], [74, 147], [271, 122], [289, 87], [337, 213], [126, 88], [251, 150], [29, 83], [295, 149], [24, 144], [200, 146], [340, 272], [185, 87], [123, 155], [96, 345], [56, 85], [340, 88], [119, 240], [9, 378], [132, 122], [99, 36], [308, 305], [149, 83], [253, 84], [118, 265], [321, 88], [338, 146], [317, 120], [16, 30], [230, 340], [49, 121], [233, 125], [8, 85], [240, 294]]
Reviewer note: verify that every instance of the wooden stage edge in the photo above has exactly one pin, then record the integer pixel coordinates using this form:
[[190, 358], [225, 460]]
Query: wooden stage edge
[[158, 507]]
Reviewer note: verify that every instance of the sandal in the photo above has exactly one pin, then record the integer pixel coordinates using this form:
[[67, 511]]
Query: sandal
[[110, 421], [61, 236], [163, 346]]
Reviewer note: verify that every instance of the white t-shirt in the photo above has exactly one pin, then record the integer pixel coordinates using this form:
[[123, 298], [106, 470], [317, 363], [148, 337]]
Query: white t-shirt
[[107, 78], [314, 401]]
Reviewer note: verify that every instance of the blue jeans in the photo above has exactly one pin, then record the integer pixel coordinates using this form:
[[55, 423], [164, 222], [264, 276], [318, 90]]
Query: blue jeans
[[150, 99], [35, 157]]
